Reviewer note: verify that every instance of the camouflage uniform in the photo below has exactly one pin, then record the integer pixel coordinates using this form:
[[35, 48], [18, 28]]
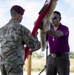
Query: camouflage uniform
[[13, 37]]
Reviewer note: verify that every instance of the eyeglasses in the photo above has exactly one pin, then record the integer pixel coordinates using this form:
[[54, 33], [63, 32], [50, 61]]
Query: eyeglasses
[[54, 17]]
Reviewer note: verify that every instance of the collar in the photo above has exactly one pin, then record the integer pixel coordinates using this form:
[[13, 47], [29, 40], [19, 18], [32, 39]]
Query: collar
[[13, 20]]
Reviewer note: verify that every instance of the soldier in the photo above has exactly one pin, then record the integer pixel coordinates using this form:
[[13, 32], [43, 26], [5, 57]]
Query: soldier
[[13, 37]]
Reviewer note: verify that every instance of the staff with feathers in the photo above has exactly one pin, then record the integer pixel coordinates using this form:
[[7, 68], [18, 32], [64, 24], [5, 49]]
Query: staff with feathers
[[44, 19]]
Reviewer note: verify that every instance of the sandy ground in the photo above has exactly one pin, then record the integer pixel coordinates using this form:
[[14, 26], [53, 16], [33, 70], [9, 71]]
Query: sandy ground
[[43, 73], [37, 73]]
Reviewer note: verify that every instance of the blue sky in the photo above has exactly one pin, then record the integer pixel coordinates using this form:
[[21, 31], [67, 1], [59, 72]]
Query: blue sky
[[32, 7]]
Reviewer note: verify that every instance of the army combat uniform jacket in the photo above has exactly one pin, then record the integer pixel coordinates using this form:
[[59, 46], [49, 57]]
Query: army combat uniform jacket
[[13, 37]]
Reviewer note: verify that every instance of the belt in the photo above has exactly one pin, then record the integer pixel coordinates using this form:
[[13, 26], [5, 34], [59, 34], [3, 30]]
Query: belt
[[54, 55]]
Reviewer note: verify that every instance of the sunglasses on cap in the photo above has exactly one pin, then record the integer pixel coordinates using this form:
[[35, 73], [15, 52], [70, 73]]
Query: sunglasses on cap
[[54, 17]]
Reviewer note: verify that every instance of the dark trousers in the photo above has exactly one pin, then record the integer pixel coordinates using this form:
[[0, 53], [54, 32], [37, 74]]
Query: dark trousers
[[11, 70], [59, 64]]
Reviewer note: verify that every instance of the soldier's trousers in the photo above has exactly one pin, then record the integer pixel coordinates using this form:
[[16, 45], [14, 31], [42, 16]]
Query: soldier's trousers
[[59, 64], [11, 70]]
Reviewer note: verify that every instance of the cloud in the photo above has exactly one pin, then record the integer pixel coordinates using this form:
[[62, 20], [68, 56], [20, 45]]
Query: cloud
[[71, 5], [32, 8], [70, 2]]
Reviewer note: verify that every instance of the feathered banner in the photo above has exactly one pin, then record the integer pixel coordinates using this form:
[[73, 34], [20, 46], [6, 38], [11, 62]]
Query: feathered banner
[[44, 16], [46, 21]]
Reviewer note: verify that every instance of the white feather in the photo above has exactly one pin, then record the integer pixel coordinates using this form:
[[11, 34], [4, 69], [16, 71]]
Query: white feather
[[46, 24]]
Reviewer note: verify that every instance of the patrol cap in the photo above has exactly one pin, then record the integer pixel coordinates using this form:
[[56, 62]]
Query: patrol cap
[[18, 9]]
